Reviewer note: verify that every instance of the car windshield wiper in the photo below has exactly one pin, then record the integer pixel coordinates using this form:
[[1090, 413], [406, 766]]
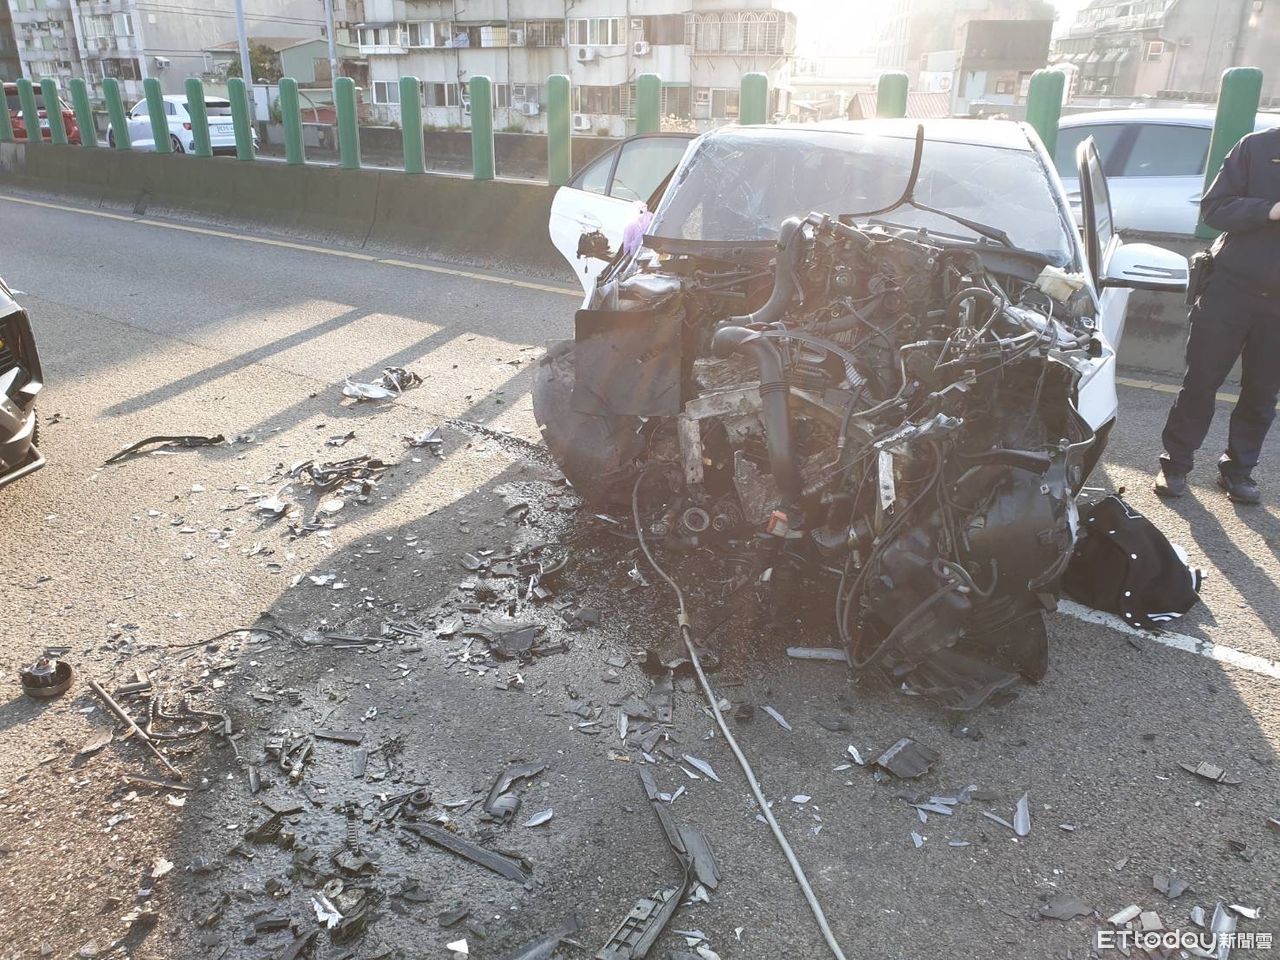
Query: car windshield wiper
[[991, 233], [1004, 249]]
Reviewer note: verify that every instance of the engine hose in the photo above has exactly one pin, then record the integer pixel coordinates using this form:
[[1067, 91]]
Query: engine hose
[[775, 403], [686, 634], [968, 293], [786, 281]]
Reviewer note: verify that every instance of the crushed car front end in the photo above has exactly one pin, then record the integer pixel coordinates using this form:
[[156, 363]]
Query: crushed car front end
[[21, 381], [888, 399]]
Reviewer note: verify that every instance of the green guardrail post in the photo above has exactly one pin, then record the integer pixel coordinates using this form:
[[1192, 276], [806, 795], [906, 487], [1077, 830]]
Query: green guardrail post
[[238, 94], [559, 131], [1044, 105], [84, 112], [155, 110], [482, 166], [753, 99], [344, 96], [199, 117], [415, 158], [57, 126], [891, 94], [115, 112], [1238, 98], [30, 114], [295, 154], [648, 103]]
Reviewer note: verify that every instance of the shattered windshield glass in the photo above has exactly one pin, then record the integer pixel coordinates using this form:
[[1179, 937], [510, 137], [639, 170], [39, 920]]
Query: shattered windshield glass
[[740, 185]]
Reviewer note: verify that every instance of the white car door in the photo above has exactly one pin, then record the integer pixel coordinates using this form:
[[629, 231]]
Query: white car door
[[140, 127], [609, 194], [1097, 399]]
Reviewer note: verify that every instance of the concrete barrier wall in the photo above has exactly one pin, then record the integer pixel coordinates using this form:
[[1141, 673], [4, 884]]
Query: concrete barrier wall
[[501, 224]]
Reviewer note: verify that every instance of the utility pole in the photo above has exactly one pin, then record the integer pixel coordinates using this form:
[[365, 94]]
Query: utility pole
[[246, 66], [333, 43]]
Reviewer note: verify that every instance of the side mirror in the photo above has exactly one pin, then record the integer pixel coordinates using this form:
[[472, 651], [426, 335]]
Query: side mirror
[[1142, 266]]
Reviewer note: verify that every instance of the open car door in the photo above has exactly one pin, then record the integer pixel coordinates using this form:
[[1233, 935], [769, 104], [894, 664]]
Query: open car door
[[608, 194], [1100, 240]]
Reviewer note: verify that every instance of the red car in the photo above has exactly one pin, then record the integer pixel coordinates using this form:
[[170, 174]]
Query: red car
[[20, 124]]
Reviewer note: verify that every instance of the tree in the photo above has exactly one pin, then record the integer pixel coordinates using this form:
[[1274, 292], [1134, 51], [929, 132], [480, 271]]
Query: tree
[[264, 62]]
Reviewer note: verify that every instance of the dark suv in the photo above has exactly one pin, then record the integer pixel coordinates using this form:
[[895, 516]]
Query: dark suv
[[20, 383]]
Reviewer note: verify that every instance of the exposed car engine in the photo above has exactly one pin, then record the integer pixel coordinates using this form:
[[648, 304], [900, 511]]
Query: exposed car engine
[[892, 411]]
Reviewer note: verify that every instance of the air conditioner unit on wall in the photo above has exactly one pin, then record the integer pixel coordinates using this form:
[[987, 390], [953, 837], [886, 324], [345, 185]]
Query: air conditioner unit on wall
[[640, 48], [515, 38], [530, 109], [584, 54], [581, 121]]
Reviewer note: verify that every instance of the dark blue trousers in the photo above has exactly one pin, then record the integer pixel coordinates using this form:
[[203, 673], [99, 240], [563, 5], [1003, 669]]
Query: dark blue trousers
[[1227, 322]]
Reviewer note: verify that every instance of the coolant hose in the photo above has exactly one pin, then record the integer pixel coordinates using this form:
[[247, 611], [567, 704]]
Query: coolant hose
[[785, 275], [775, 403]]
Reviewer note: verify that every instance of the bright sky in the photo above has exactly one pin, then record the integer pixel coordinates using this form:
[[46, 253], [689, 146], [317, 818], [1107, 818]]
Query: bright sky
[[830, 27]]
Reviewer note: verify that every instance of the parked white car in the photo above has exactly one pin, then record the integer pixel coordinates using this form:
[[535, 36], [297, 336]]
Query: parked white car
[[222, 134], [1154, 160]]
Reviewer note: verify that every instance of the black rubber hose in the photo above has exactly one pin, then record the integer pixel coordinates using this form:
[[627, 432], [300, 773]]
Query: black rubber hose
[[775, 403], [968, 293], [786, 280]]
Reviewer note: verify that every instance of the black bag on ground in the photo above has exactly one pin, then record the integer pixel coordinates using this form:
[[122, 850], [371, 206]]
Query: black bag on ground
[[1122, 564]]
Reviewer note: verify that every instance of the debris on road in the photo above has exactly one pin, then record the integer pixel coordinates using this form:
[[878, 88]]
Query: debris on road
[[1170, 886], [702, 767], [504, 865], [163, 443], [907, 759], [1207, 771], [539, 818], [133, 728], [818, 653], [1063, 907], [1022, 816], [545, 947], [430, 439], [502, 804], [779, 718], [393, 382], [46, 678]]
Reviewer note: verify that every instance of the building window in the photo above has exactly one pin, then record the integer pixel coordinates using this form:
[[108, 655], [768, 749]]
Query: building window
[[740, 31], [386, 91], [598, 100], [544, 33], [426, 33], [598, 31], [375, 36], [1004, 87], [440, 94], [1155, 50]]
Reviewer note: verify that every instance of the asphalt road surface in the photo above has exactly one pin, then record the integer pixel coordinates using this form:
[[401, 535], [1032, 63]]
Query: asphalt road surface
[[149, 327]]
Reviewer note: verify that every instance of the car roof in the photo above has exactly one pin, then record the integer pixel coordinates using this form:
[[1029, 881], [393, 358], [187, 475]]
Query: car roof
[[1005, 134], [1185, 116]]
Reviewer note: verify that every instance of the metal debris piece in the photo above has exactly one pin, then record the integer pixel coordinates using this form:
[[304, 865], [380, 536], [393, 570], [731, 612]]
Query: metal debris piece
[[1171, 887], [998, 819], [431, 439], [1022, 816], [349, 737], [818, 653], [45, 678], [1197, 916], [1124, 916], [917, 839], [134, 730], [1062, 906], [1249, 913], [781, 720], [545, 946], [367, 391], [503, 804], [326, 913], [907, 759], [1208, 771], [702, 766], [855, 755], [499, 863], [539, 818], [1222, 926], [164, 442], [459, 947]]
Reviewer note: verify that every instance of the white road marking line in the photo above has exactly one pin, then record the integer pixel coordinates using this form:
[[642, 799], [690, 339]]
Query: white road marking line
[[304, 247], [1169, 388], [1176, 641]]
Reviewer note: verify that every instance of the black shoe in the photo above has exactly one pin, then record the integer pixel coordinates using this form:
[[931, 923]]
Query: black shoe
[[1171, 485], [1240, 489]]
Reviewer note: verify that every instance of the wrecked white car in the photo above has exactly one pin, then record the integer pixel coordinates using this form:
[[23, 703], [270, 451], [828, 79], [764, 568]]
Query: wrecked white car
[[879, 349]]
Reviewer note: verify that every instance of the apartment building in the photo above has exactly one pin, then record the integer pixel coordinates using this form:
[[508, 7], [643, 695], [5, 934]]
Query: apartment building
[[131, 40], [1158, 48], [700, 48], [10, 65], [914, 28]]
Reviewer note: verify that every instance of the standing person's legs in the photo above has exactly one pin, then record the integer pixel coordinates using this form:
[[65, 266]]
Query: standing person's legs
[[1259, 388], [1219, 327]]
